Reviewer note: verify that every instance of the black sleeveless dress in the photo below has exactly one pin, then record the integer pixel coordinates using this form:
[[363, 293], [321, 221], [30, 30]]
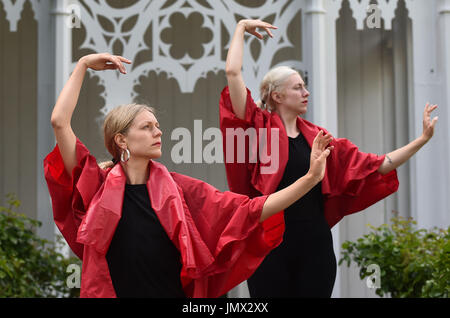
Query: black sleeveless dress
[[304, 264]]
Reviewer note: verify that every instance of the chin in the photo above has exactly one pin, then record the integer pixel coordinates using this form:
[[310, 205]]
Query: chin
[[156, 155], [303, 110]]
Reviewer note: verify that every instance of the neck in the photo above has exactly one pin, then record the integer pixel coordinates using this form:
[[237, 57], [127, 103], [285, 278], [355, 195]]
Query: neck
[[290, 122], [136, 170]]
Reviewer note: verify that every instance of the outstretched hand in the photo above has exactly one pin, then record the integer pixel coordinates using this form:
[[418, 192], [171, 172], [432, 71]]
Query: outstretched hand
[[428, 124], [319, 154], [251, 27], [105, 61]]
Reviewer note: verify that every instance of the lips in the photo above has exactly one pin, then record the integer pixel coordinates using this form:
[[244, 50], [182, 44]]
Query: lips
[[157, 144]]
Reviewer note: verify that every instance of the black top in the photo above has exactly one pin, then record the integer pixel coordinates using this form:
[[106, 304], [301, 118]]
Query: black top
[[303, 265], [310, 206], [142, 260]]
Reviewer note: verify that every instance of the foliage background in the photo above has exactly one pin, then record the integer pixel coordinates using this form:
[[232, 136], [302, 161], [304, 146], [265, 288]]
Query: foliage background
[[29, 265], [413, 262]]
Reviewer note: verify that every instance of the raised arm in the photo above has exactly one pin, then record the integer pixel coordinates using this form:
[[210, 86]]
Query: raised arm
[[398, 157], [233, 69], [68, 98], [282, 199]]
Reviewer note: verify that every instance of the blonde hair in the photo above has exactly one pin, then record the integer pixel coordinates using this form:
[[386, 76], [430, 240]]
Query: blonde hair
[[118, 121], [274, 81]]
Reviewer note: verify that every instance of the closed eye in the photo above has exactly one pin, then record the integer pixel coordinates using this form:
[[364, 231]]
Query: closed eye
[[148, 126]]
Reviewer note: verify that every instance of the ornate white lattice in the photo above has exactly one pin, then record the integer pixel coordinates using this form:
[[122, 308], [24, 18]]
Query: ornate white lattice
[[128, 26], [107, 27], [13, 9]]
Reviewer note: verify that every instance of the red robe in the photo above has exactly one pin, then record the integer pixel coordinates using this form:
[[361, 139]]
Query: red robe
[[351, 181], [218, 234]]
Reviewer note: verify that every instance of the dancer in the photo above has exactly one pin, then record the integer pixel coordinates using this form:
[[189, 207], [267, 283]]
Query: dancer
[[142, 231], [303, 264]]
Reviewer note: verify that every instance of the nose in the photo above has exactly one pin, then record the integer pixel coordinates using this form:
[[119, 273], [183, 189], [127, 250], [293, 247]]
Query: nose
[[158, 132], [306, 93]]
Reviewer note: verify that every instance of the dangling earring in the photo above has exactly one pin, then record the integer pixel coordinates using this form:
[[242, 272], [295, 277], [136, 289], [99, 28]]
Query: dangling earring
[[128, 155]]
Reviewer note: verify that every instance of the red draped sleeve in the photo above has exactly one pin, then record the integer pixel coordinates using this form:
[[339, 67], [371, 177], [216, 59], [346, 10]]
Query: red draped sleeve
[[241, 176], [71, 195], [353, 182], [228, 224]]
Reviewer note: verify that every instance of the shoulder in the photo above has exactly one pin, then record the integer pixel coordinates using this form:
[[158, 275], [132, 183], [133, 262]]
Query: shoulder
[[193, 187], [253, 113], [225, 94], [311, 126], [180, 179], [226, 99], [185, 180]]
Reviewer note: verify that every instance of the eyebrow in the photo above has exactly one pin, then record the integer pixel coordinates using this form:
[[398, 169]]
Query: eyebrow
[[150, 122]]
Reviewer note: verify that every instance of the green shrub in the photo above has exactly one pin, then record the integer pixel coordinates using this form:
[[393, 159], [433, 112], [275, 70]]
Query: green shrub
[[29, 265], [413, 263]]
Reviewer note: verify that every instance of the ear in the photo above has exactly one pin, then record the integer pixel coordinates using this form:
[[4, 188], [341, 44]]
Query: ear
[[277, 97], [121, 141]]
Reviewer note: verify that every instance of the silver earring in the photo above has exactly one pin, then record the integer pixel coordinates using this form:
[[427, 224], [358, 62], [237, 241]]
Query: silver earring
[[128, 156]]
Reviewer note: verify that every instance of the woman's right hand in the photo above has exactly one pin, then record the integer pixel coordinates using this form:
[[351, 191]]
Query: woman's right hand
[[251, 26], [319, 154], [105, 61]]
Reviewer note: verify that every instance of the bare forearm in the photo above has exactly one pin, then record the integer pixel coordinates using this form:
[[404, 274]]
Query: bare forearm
[[236, 85], [282, 199], [68, 98], [235, 53], [398, 157], [62, 115]]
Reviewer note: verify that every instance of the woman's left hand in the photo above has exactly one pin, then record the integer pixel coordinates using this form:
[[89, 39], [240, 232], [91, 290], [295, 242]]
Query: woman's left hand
[[428, 124], [319, 153]]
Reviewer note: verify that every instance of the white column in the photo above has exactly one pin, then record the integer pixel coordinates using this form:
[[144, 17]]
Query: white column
[[331, 110], [444, 20], [321, 58], [332, 8], [316, 59], [63, 43], [62, 63], [429, 167], [399, 135], [45, 94]]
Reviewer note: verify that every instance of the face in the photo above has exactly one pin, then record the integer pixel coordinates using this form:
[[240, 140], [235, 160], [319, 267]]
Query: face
[[295, 95], [144, 137]]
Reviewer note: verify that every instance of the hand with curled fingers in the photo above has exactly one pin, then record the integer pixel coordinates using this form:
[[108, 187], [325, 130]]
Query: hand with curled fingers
[[251, 27], [428, 124], [319, 153], [105, 61]]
